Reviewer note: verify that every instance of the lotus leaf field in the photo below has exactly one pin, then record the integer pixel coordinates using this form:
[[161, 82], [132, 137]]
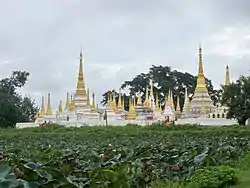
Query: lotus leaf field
[[130, 156]]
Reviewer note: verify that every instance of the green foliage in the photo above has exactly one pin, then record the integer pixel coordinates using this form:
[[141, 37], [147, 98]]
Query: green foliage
[[13, 107], [130, 156], [236, 97], [215, 177], [166, 79]]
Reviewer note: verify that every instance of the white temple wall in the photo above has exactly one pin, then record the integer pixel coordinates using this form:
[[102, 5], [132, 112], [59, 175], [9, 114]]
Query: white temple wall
[[206, 121]]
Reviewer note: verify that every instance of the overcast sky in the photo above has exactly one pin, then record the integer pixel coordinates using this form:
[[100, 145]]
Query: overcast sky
[[119, 38]]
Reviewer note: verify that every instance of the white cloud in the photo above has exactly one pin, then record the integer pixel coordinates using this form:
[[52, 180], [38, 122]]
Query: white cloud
[[231, 41]]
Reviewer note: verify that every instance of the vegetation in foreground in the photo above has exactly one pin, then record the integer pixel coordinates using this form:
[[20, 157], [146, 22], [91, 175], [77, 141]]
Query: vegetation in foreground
[[131, 156]]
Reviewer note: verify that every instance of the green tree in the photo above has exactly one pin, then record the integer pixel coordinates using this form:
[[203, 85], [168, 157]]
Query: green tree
[[166, 79], [236, 97], [13, 107]]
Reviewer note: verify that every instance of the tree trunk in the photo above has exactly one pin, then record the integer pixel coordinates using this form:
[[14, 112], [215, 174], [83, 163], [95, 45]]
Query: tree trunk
[[242, 121]]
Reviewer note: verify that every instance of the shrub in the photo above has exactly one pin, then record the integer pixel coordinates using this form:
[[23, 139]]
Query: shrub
[[215, 177]]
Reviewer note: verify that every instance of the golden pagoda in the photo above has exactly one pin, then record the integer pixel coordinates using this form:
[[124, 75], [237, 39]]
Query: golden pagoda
[[123, 103], [151, 95], [67, 104], [186, 107], [157, 107], [48, 110], [93, 112], [201, 90], [80, 99], [120, 99], [114, 107], [178, 109], [201, 84], [170, 102], [42, 113], [72, 104], [131, 112]]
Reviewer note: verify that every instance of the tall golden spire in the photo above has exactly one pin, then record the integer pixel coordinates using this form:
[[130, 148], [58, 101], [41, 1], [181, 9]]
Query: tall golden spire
[[80, 89], [120, 99], [88, 99], [201, 86], [123, 102], [67, 105], [134, 102], [167, 101], [151, 89], [114, 102], [186, 107], [158, 108], [146, 103], [42, 113], [178, 108], [227, 81], [49, 111], [72, 103], [60, 107], [131, 113]]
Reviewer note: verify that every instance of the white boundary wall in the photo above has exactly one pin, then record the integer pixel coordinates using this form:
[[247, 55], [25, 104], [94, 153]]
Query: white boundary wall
[[191, 121], [206, 121]]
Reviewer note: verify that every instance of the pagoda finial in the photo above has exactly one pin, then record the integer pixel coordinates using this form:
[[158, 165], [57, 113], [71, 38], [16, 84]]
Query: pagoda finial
[[80, 88], [49, 111], [109, 103], [227, 81], [201, 86], [42, 113]]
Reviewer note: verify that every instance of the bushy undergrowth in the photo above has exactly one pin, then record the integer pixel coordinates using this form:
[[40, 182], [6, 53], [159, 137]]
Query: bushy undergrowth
[[215, 177], [130, 156]]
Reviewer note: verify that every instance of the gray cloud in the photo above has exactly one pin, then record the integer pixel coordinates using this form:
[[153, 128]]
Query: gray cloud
[[119, 40]]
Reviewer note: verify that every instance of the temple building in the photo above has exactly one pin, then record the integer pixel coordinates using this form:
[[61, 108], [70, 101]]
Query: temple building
[[201, 93], [80, 108]]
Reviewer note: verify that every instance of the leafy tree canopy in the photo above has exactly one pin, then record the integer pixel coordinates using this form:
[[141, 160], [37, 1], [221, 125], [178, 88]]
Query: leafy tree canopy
[[164, 78], [13, 107], [236, 97]]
